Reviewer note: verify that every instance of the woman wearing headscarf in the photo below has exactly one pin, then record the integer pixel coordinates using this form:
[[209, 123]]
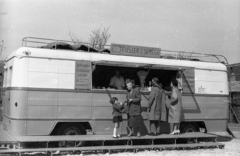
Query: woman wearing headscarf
[[157, 107], [175, 108], [134, 111]]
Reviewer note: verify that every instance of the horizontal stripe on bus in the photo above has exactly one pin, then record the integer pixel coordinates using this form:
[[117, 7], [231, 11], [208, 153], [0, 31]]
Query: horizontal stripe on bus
[[110, 119], [100, 91]]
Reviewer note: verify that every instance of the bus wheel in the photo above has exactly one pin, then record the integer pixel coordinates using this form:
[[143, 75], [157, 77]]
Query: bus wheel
[[71, 129], [189, 127]]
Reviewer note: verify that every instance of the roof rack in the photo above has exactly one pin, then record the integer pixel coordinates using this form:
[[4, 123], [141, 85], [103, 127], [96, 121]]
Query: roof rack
[[71, 45]]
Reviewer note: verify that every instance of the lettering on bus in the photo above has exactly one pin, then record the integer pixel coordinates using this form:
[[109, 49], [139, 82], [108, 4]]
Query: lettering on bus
[[120, 49], [179, 55], [83, 75]]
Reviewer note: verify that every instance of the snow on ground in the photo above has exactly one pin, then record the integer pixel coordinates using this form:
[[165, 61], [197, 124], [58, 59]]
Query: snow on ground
[[232, 148]]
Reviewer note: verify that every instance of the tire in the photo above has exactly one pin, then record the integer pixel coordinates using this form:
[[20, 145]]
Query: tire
[[189, 127], [71, 129]]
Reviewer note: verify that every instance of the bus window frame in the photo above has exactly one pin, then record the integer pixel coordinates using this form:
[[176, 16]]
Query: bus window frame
[[140, 65], [136, 65]]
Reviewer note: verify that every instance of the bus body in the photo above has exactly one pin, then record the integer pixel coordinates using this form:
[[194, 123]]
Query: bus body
[[41, 95]]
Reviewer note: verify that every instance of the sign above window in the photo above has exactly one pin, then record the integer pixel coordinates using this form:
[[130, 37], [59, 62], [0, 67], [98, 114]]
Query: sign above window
[[121, 49], [83, 75]]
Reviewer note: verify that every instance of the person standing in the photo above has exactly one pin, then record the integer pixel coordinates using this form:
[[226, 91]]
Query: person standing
[[134, 100], [175, 108], [117, 81], [117, 115], [179, 79], [157, 107]]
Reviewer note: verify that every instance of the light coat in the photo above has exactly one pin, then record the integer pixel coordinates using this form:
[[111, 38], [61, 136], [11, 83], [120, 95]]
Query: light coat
[[175, 108]]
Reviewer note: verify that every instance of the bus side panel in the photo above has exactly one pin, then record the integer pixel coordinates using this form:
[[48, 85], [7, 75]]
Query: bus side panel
[[211, 82], [6, 109], [18, 104], [194, 107], [20, 72], [6, 102], [217, 114], [74, 105], [42, 104], [42, 108], [208, 109], [217, 107], [18, 127], [15, 108], [40, 127], [18, 111], [46, 108], [216, 125]]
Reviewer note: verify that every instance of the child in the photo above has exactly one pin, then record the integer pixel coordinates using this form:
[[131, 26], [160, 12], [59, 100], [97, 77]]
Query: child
[[117, 115]]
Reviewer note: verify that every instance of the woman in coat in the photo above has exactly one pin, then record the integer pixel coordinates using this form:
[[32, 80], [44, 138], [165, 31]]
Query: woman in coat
[[175, 108], [157, 107], [134, 111]]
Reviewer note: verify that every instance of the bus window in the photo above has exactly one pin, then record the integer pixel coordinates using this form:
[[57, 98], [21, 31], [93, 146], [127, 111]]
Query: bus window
[[103, 73]]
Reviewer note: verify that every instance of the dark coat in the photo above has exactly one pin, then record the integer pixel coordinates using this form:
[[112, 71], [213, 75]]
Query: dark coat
[[117, 109], [134, 107], [175, 108], [157, 104]]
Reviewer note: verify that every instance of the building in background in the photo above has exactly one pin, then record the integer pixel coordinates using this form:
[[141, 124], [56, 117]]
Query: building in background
[[234, 88]]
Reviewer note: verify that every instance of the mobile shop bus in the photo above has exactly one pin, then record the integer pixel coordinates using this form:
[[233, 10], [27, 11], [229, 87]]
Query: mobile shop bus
[[60, 91]]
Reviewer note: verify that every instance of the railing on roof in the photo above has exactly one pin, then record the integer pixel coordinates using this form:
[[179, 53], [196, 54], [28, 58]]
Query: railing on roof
[[71, 45]]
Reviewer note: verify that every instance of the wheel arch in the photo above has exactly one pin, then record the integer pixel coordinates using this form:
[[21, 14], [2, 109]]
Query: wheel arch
[[85, 124], [199, 124]]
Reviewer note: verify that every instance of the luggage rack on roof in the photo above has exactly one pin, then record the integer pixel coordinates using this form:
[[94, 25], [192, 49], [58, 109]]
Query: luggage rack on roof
[[82, 46]]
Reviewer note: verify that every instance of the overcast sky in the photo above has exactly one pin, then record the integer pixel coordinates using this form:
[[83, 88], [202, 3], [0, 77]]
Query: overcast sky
[[203, 26]]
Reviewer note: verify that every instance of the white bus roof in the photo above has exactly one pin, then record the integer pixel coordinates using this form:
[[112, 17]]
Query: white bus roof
[[119, 60]]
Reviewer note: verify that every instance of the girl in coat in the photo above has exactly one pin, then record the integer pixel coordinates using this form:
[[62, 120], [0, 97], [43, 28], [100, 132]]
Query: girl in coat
[[175, 108], [117, 115]]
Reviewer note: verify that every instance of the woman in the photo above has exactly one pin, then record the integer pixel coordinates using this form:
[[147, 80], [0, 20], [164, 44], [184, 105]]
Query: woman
[[175, 108], [134, 100], [157, 107]]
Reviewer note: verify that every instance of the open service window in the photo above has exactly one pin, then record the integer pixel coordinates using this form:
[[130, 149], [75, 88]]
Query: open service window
[[141, 74]]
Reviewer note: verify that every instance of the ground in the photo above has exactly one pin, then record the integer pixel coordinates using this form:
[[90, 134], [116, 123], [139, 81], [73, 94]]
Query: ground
[[232, 148]]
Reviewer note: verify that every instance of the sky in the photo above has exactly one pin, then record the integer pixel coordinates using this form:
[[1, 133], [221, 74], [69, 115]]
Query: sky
[[202, 26]]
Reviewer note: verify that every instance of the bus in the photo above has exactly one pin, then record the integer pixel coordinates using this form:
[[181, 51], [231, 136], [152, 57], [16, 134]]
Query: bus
[[51, 88]]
